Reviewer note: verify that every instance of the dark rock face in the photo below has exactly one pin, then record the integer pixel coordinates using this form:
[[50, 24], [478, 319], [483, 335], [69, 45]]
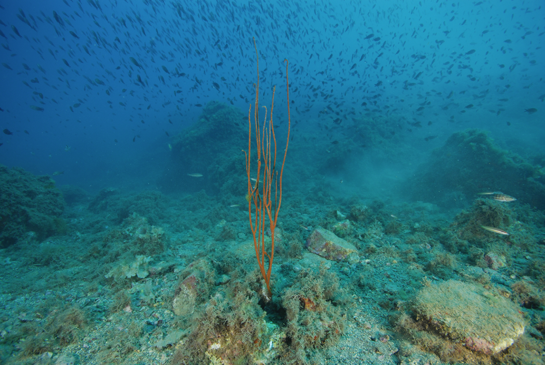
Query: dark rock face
[[28, 204], [469, 163], [212, 147]]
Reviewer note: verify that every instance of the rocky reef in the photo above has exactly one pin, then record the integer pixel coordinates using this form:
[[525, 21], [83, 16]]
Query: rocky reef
[[470, 162], [211, 148], [30, 206]]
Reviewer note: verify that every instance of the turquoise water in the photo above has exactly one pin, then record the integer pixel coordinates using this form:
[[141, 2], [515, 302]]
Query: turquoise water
[[410, 225]]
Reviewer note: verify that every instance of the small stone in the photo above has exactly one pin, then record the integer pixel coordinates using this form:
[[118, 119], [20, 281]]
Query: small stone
[[359, 213], [343, 229], [327, 245], [495, 261], [340, 215], [223, 279], [171, 339], [193, 287], [66, 360]]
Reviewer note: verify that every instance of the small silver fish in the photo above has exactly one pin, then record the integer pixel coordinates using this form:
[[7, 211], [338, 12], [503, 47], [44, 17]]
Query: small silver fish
[[504, 198], [195, 175], [495, 230]]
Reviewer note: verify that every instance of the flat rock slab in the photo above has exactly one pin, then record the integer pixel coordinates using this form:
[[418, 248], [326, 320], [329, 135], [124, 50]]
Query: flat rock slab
[[326, 244], [483, 320]]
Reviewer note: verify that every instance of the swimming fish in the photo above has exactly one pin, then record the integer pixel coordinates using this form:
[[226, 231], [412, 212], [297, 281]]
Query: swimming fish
[[504, 198], [195, 175], [495, 230]]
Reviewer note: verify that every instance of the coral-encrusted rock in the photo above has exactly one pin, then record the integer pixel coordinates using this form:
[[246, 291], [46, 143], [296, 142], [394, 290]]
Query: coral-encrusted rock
[[343, 229], [484, 321], [196, 281], [138, 268], [146, 239], [209, 147], [494, 260], [359, 213], [326, 244]]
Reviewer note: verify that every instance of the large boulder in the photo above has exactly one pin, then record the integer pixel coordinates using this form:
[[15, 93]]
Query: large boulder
[[469, 163], [484, 321], [208, 155]]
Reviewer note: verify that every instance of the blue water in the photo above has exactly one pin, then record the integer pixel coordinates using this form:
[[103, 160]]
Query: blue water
[[425, 62]]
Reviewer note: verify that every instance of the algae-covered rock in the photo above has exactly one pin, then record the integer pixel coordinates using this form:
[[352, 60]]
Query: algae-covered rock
[[326, 244], [208, 154], [484, 212], [138, 268], [495, 261], [484, 321], [470, 162], [343, 229], [100, 202], [195, 285], [313, 320], [227, 327], [138, 237], [28, 204]]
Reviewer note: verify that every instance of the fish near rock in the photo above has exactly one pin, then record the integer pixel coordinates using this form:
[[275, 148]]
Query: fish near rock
[[495, 230]]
